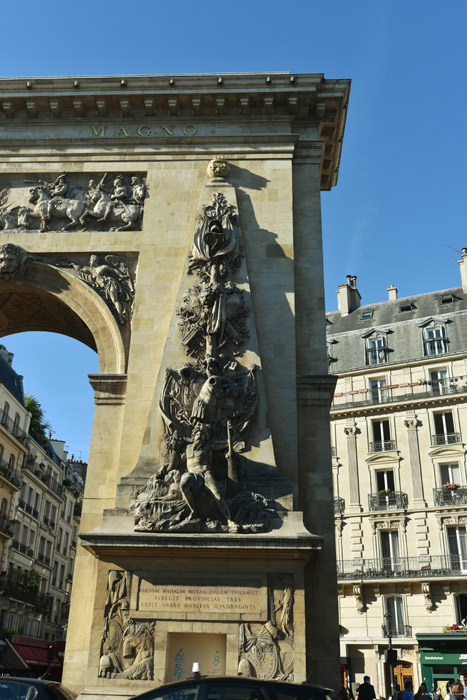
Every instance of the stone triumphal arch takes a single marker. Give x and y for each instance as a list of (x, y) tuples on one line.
[(173, 225)]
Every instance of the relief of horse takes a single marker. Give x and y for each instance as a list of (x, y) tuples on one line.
[(106, 209), (46, 207)]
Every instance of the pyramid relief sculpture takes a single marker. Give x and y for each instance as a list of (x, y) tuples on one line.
[(207, 404)]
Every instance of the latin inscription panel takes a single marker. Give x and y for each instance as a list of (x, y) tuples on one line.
[(193, 597)]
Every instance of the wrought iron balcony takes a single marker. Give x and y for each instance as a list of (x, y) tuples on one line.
[(397, 630), (14, 429), (385, 446), (445, 439), (426, 565), (44, 476), (18, 586), (396, 393), (447, 496), (6, 526), (392, 500), (339, 506), (9, 473)]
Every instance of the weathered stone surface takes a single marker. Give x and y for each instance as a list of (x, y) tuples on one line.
[(147, 307)]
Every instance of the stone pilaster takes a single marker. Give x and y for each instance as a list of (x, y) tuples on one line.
[(414, 456), (352, 460)]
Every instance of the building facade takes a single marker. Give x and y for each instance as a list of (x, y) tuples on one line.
[(399, 441), (41, 496)]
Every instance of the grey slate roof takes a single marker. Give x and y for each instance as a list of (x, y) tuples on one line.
[(12, 381), (404, 335)]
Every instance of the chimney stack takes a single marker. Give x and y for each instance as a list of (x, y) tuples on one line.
[(463, 267), (348, 296), (392, 293)]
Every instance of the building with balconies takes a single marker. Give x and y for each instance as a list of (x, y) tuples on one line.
[(399, 445), (40, 498)]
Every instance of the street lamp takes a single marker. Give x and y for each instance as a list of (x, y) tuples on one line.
[(390, 660)]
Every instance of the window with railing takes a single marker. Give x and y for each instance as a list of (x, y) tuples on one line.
[(457, 543), (444, 429), (381, 434)]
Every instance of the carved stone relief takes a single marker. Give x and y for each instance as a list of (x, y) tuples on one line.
[(207, 405), (127, 648), (108, 275), (358, 593), (109, 202), (267, 650)]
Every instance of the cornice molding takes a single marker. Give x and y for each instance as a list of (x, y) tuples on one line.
[(306, 100)]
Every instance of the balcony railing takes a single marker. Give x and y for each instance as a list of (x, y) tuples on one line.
[(6, 525), (43, 559), (445, 439), (385, 446), (402, 567), (17, 586), (450, 496), (13, 428), (9, 473), (339, 506), (398, 393), (394, 500), (44, 476), (397, 630)]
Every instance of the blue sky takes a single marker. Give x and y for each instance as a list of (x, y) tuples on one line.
[(400, 200)]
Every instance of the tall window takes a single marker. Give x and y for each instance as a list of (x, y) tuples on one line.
[(381, 436), (376, 350), (457, 542), (395, 608), (6, 410), (385, 480), (434, 339), (16, 424), (390, 550), (439, 381), (377, 389), (444, 429), (450, 473)]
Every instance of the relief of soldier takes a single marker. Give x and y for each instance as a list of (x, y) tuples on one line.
[(115, 205)]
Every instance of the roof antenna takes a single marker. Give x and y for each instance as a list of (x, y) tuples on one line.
[(450, 246)]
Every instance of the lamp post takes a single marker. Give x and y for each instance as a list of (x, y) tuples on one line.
[(388, 617)]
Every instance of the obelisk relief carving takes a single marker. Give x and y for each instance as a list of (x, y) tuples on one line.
[(207, 404)]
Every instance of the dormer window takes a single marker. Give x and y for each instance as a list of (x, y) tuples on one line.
[(376, 350), (434, 340)]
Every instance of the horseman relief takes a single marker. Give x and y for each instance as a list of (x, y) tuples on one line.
[(111, 202)]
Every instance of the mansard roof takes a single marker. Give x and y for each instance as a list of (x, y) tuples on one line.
[(433, 305), (12, 381)]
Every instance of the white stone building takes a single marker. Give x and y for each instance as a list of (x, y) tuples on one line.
[(399, 441), (40, 503)]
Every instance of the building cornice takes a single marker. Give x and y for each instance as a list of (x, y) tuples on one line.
[(305, 100)]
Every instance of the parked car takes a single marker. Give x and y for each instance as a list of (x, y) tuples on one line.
[(235, 688), (32, 689)]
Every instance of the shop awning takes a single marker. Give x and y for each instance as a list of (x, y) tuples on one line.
[(35, 655)]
